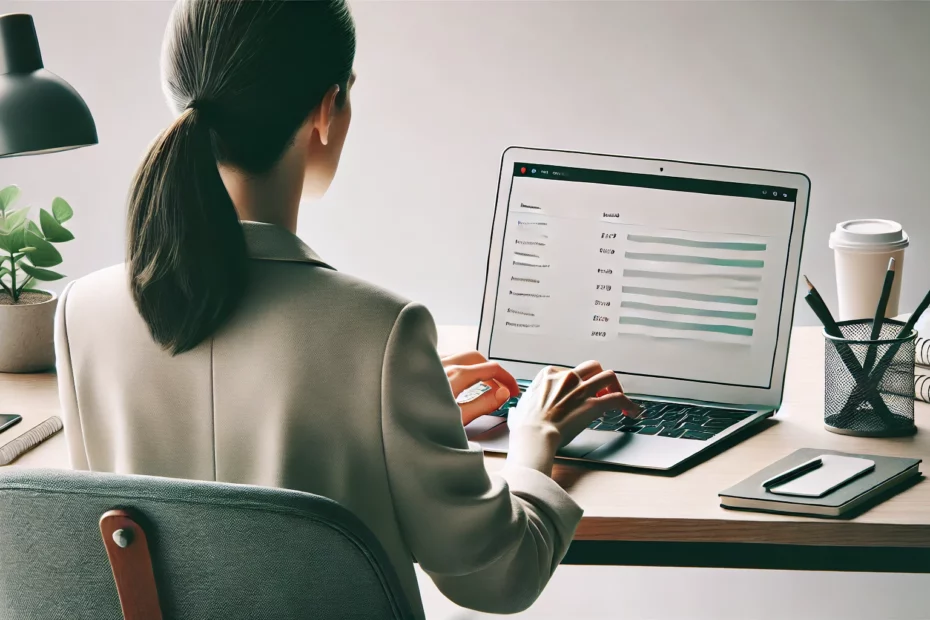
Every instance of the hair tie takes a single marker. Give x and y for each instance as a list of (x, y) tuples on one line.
[(204, 107)]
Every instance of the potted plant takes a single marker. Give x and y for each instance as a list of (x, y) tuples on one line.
[(27, 314)]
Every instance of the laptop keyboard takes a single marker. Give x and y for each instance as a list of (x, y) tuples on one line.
[(681, 421)]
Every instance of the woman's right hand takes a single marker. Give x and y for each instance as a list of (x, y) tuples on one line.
[(559, 404)]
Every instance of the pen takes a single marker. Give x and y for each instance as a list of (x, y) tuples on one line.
[(909, 324), (817, 304), (879, 316), (793, 473), (888, 357)]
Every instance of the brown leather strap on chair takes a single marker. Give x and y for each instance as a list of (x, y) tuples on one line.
[(131, 562)]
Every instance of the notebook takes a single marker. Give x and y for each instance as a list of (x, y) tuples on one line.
[(922, 366), (888, 474), (922, 383), (921, 358), (922, 351)]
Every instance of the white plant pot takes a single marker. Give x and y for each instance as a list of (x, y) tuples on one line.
[(27, 336)]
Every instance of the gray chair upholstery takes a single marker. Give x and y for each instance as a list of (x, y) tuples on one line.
[(220, 551)]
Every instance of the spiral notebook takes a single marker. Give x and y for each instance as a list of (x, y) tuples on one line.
[(922, 383), (922, 354), (921, 358)]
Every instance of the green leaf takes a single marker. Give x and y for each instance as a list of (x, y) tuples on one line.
[(54, 232), (45, 254), (45, 275), (4, 272), (12, 220), (30, 225), (8, 196), (13, 241), (62, 210), (28, 249)]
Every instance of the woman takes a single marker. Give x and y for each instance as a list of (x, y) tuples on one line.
[(225, 349)]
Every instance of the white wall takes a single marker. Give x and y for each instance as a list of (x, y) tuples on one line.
[(109, 52), (840, 91)]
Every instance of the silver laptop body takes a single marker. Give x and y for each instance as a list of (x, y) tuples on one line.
[(680, 277)]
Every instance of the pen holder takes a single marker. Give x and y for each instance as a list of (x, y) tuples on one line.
[(869, 384)]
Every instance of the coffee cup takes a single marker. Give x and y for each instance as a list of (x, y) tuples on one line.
[(861, 250)]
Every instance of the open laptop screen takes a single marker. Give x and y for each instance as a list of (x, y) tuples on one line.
[(651, 275)]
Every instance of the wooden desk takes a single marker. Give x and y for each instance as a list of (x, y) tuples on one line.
[(633, 518), (35, 397)]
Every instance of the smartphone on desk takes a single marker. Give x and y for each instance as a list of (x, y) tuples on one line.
[(9, 420)]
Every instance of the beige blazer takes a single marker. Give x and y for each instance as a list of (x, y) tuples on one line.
[(321, 383)]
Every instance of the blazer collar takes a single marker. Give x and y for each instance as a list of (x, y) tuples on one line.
[(270, 242)]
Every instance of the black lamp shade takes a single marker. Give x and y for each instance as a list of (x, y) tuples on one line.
[(39, 111)]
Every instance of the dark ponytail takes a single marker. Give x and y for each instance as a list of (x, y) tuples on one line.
[(244, 75), (186, 248)]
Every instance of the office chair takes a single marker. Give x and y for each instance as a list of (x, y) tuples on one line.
[(92, 546)]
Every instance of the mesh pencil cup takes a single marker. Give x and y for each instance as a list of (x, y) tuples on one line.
[(869, 384)]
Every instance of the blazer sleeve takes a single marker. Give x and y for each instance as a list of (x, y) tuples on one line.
[(489, 542), (67, 394)]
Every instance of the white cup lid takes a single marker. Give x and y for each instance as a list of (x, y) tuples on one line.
[(869, 236)]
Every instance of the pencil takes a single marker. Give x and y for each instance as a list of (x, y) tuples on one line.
[(912, 321), (879, 319), (820, 308), (888, 357)]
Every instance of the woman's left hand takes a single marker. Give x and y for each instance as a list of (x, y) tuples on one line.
[(466, 369)]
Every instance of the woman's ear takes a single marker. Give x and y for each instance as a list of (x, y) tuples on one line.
[(322, 116)]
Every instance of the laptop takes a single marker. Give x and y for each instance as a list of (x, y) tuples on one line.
[(680, 277)]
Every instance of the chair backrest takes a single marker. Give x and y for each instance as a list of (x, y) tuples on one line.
[(220, 551)]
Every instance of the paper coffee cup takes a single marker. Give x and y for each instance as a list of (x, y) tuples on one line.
[(861, 249)]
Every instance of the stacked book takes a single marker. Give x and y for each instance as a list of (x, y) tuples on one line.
[(921, 358), (922, 370)]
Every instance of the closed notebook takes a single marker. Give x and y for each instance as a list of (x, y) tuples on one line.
[(922, 383), (922, 351), (921, 357), (889, 473)]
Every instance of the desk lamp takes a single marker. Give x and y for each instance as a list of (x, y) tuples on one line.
[(39, 111)]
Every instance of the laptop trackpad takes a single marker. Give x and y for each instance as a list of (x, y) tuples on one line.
[(586, 442), (481, 425)]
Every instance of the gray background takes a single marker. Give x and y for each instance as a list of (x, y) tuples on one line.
[(840, 91)]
